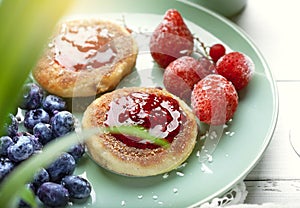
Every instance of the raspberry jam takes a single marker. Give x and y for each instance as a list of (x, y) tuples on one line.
[(90, 47), (161, 115)]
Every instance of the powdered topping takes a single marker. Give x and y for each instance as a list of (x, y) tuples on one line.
[(214, 100), (237, 68), (171, 39)]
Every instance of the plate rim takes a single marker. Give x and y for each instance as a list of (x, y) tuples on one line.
[(275, 102), (273, 88)]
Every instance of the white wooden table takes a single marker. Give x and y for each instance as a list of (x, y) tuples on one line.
[(274, 27)]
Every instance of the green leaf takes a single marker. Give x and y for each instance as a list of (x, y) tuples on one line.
[(25, 27), (25, 171), (139, 132)]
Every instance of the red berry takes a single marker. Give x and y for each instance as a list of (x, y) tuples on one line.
[(214, 100), (181, 75), (216, 52), (171, 39), (237, 68)]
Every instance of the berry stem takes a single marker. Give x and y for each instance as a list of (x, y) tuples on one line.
[(204, 48)]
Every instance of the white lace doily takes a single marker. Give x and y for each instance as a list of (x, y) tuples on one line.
[(235, 199), (236, 195)]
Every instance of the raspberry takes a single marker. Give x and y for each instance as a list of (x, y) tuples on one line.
[(181, 75), (237, 68), (216, 52), (214, 100), (171, 39)]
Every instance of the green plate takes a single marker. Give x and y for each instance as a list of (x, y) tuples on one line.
[(239, 150)]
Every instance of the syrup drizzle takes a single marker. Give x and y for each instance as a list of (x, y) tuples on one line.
[(161, 115), (90, 47)]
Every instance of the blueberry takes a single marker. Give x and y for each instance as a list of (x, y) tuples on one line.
[(21, 150), (23, 204), (43, 132), (78, 187), (62, 123), (37, 145), (64, 165), (6, 166), (35, 116), (32, 96), (53, 194), (77, 151), (53, 103), (5, 142), (11, 127), (40, 177)]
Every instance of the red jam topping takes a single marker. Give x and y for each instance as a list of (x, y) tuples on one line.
[(161, 115), (83, 47)]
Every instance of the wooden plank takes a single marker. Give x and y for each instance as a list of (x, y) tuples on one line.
[(276, 178), (280, 160), (273, 191)]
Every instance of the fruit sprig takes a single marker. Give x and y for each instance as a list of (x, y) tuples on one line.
[(210, 83), (213, 53), (202, 49)]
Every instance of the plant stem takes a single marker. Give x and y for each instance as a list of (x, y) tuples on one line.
[(13, 183), (25, 28), (23, 173)]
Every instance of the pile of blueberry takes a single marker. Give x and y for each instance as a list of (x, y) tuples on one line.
[(45, 119)]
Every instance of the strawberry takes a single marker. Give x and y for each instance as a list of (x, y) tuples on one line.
[(237, 68), (181, 75), (214, 100), (171, 39)]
